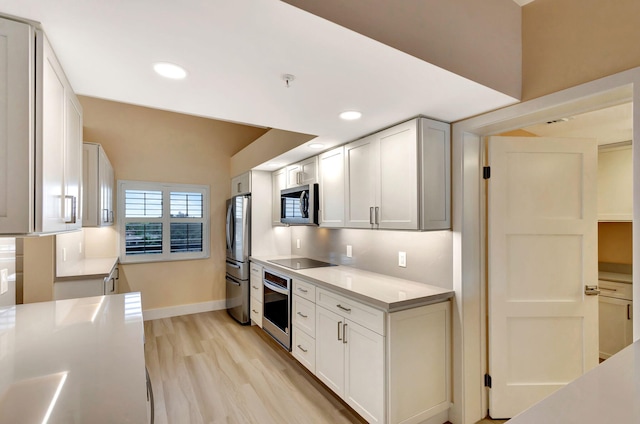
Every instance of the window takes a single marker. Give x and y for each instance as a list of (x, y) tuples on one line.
[(163, 222)]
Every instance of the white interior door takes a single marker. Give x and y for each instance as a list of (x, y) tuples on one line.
[(542, 252)]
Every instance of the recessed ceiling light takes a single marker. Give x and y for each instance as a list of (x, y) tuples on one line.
[(170, 70), (316, 145), (350, 115)]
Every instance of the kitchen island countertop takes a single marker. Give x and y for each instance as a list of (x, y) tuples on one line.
[(380, 291), (73, 361)]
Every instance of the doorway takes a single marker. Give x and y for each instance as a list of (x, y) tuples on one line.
[(469, 255), (542, 227)]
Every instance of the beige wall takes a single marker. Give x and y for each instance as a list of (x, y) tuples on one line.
[(480, 40), (615, 242), (272, 144), (152, 145), (570, 42)]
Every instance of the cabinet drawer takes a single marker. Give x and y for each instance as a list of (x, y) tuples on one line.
[(304, 315), (256, 287), (256, 311), (304, 349), (615, 289), (304, 289), (256, 270), (364, 315)]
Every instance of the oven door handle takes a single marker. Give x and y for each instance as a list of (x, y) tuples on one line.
[(275, 288)]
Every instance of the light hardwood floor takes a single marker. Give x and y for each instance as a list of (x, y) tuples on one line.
[(205, 368)]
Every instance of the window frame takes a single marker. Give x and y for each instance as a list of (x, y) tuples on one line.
[(166, 220)]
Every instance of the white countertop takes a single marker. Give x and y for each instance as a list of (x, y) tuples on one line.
[(613, 276), (380, 291), (86, 268), (606, 394), (80, 359)]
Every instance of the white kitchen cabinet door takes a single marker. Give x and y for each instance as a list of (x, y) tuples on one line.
[(615, 184), (397, 171), (278, 182), (435, 143), (330, 358), (303, 173), (17, 61), (52, 157), (360, 182), (615, 325), (241, 184), (73, 163), (98, 185), (331, 182), (106, 186), (364, 371)]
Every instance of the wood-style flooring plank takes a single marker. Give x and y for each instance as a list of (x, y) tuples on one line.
[(205, 368)]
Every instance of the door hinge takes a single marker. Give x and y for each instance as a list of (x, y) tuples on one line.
[(486, 172), (487, 380)]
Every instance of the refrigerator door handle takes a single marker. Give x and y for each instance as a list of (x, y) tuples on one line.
[(245, 228), (229, 223)]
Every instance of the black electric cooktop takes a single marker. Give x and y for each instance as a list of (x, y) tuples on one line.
[(300, 263)]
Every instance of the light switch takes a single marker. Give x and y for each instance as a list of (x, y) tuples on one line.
[(402, 259), (64, 254), (298, 243), (349, 251)]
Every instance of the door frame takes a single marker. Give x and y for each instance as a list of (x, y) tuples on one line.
[(468, 217)]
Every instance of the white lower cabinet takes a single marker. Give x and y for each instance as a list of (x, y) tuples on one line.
[(389, 367), (350, 361), (88, 287)]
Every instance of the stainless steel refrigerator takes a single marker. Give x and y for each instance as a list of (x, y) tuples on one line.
[(238, 231)]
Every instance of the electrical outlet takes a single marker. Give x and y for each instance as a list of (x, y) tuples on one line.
[(4, 281), (402, 259), (298, 243), (349, 251)]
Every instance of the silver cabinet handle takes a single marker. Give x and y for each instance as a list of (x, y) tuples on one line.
[(239, 187), (303, 290), (255, 287), (377, 215), (74, 216), (371, 218), (343, 308), (254, 311), (344, 333), (302, 349), (339, 326), (303, 315), (628, 311), (105, 215), (111, 216)]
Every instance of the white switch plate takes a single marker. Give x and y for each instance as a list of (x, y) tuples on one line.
[(79, 247), (349, 251), (4, 281), (64, 254), (402, 259), (298, 243)]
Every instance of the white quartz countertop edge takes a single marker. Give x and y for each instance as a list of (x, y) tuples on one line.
[(613, 276), (380, 291), (92, 267)]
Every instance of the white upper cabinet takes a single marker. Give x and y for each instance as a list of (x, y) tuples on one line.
[(98, 185), (435, 175), (241, 184), (331, 182), (303, 173), (615, 184), (399, 178), (41, 148)]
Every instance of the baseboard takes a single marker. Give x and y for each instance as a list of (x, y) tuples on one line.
[(191, 308)]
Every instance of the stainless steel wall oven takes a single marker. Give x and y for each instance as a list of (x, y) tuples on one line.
[(276, 318)]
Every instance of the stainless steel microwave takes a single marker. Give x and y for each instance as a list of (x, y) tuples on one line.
[(299, 205)]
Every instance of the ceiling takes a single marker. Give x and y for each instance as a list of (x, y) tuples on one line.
[(607, 126), (236, 52)]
